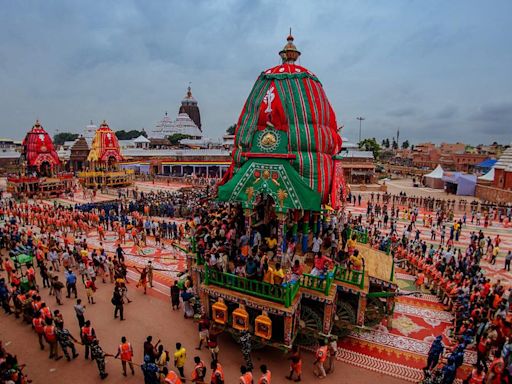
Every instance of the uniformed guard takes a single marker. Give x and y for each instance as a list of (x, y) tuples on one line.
[(217, 373), (246, 376), (65, 339), (170, 377), (50, 335), (99, 355), (246, 347), (199, 372), (320, 358), (38, 325), (266, 375), (87, 335), (125, 350)]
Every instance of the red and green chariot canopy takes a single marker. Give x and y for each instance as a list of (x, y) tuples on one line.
[(289, 102)]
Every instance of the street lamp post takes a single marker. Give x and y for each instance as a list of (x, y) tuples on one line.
[(360, 118)]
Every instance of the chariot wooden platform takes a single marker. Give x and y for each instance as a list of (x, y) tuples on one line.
[(308, 309)]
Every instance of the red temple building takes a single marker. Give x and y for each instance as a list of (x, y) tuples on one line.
[(39, 153), (39, 168)]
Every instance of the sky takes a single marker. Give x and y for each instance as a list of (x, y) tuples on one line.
[(436, 70)]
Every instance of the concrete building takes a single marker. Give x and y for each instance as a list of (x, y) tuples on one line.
[(358, 166)]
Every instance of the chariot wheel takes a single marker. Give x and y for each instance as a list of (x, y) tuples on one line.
[(375, 312), (344, 319), (310, 324)]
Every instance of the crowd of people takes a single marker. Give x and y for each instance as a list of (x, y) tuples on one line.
[(496, 211), (223, 238), (441, 262), (46, 232), (454, 273)]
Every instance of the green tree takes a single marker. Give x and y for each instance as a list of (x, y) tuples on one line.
[(370, 145), (128, 135), (61, 137), (386, 144), (405, 144), (177, 137), (394, 145), (231, 130)]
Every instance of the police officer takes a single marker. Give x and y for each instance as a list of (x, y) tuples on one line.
[(65, 340), (99, 355), (246, 347)]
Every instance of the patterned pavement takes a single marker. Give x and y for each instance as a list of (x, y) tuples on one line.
[(401, 352)]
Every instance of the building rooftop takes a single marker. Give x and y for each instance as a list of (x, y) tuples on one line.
[(140, 152), (204, 142), (141, 140), (356, 154), (505, 160), (8, 154), (182, 125)]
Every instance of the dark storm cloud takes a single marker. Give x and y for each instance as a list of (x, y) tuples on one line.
[(435, 70)]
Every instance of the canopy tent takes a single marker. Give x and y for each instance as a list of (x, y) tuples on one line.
[(460, 184), (489, 176), (485, 165), (434, 179)]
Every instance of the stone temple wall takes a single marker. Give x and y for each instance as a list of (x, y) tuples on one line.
[(495, 195)]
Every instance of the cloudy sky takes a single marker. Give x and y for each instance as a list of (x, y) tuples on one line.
[(437, 70)]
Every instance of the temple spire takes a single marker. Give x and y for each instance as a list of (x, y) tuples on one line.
[(289, 54)]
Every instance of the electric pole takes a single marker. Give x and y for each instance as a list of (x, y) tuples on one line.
[(360, 118)]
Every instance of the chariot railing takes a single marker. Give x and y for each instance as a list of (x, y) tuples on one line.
[(349, 276), (361, 236), (316, 283), (283, 294)]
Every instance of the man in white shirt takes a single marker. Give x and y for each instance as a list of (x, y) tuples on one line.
[(54, 259), (256, 241), (317, 242)]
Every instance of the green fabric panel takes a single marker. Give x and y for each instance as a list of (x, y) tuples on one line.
[(309, 132), (299, 195)]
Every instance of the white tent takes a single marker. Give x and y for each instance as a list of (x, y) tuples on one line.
[(489, 176), (434, 179), (436, 173)]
